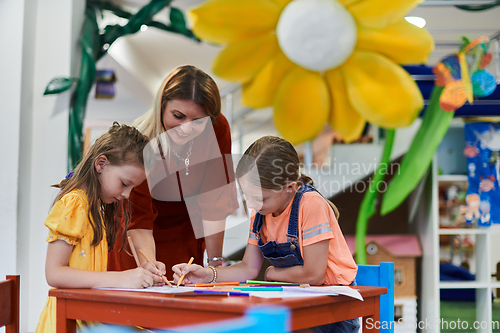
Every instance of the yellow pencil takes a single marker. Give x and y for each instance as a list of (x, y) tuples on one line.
[(182, 277), (163, 276)]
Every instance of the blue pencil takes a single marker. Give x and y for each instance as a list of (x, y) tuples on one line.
[(229, 293)]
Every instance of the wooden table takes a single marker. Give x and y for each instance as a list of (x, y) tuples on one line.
[(156, 310)]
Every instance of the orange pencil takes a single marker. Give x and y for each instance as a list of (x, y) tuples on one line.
[(182, 277), (163, 276), (133, 252)]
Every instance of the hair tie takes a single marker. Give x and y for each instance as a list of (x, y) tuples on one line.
[(68, 176)]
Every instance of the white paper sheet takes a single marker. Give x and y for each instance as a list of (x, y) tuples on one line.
[(288, 292), (162, 289)]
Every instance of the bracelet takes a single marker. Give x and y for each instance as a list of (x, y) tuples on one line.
[(214, 259), (214, 270)]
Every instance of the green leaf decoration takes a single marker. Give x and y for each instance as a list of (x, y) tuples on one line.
[(367, 208), (418, 158), (58, 85), (177, 19)]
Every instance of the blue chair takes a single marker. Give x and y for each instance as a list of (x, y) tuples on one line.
[(264, 319), (380, 276)]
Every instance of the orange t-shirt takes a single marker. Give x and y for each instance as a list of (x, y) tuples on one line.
[(317, 222)]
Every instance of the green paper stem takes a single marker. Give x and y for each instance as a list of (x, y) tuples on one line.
[(367, 208), (416, 161)]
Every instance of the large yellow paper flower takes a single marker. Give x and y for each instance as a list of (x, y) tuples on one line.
[(319, 61)]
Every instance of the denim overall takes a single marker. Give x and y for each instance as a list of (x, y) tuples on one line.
[(288, 254)]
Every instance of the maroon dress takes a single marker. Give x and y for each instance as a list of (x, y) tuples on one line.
[(176, 205)]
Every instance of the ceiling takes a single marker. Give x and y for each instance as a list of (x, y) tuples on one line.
[(142, 60)]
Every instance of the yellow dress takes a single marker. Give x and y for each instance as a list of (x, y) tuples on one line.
[(68, 220)]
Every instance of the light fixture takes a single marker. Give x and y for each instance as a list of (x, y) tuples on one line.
[(415, 20)]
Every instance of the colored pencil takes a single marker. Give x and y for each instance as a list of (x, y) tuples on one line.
[(229, 293), (151, 263), (183, 275), (215, 284), (271, 282), (211, 293), (259, 288), (132, 248)]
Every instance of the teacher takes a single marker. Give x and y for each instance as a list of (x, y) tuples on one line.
[(181, 208)]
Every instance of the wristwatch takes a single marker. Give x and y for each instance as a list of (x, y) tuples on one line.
[(214, 259)]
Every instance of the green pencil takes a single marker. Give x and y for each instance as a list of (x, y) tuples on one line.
[(258, 288), (269, 282)]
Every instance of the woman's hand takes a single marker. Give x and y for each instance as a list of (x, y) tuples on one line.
[(136, 278), (194, 273)]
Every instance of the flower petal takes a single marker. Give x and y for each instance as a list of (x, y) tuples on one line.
[(402, 41), (260, 92), (380, 13), (301, 106), (380, 90), (343, 118), (240, 61), (224, 21)]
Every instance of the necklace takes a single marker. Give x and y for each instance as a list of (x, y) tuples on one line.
[(186, 160)]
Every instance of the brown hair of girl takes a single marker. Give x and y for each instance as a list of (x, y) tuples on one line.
[(183, 83), (122, 145), (277, 164)]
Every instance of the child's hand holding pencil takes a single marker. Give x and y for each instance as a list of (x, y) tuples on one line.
[(192, 273), (157, 267)]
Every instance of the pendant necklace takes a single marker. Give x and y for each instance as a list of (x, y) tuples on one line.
[(185, 160)]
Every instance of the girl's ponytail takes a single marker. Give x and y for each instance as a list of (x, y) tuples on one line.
[(305, 180), (64, 181)]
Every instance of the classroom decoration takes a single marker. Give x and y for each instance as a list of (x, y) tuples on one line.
[(319, 61), (483, 171), (434, 126), (452, 73), (95, 43)]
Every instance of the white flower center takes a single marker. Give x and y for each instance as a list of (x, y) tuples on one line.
[(316, 34)]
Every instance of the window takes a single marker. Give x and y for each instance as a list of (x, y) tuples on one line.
[(398, 312), (398, 277)]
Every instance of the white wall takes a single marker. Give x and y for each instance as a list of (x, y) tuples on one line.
[(11, 28), (39, 40)]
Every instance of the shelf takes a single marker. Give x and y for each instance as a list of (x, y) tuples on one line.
[(466, 231), (452, 178), (463, 285)]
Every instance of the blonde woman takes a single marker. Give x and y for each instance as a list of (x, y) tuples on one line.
[(180, 210)]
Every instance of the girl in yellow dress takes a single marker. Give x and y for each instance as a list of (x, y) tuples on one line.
[(83, 220)]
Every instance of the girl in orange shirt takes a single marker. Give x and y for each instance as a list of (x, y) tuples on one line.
[(294, 228)]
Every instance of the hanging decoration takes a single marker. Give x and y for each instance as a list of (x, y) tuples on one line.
[(319, 62), (482, 139), (95, 43)]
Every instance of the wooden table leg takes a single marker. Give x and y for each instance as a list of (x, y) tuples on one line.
[(64, 325), (372, 323)]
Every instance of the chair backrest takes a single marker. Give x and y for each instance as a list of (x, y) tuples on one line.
[(9, 303), (380, 276)]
